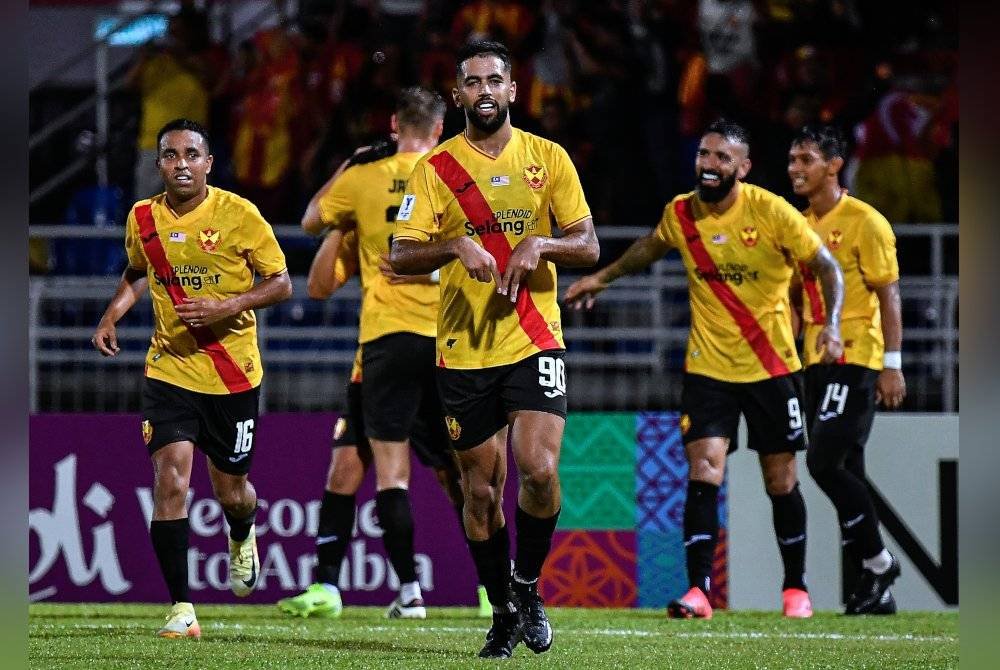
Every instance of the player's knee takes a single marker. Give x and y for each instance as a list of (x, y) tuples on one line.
[(237, 502), (541, 479), (779, 483), (480, 495), (705, 470), (170, 485)]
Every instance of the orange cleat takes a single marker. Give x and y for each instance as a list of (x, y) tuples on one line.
[(692, 605), (796, 604)]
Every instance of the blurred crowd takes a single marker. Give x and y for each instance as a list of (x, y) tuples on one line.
[(626, 86)]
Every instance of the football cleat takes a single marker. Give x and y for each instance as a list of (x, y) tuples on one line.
[(692, 605), (244, 564), (485, 608), (887, 605), (318, 600), (536, 632), (412, 610), (871, 587), (795, 604), (503, 636), (181, 622)]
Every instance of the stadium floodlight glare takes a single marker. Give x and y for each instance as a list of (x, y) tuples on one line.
[(138, 31)]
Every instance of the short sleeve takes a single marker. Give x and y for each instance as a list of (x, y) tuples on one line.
[(667, 225), (336, 206), (568, 203), (793, 231), (417, 218), (133, 243), (877, 252), (261, 246)]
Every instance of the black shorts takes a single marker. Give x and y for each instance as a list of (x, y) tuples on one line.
[(222, 426), (349, 431), (400, 398), (477, 402), (840, 405), (775, 423)]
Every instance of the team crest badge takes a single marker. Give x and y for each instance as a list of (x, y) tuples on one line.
[(534, 176), (454, 430), (834, 239), (749, 236), (685, 424), (339, 428), (208, 239), (147, 431)]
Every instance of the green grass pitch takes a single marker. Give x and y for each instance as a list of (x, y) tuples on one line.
[(251, 637)]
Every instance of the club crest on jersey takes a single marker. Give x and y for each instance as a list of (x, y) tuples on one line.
[(147, 431), (834, 239), (454, 429), (749, 236), (535, 176), (208, 239)]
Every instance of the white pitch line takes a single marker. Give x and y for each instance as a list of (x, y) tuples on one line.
[(598, 632)]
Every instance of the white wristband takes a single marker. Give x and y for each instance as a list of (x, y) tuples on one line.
[(892, 360), (436, 277)]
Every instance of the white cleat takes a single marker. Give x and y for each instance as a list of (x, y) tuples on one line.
[(181, 622), (244, 564), (412, 610)]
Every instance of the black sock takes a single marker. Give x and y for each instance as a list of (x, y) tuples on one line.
[(701, 532), (170, 542), (239, 529), (534, 539), (336, 520), (789, 512), (396, 520), (492, 559)]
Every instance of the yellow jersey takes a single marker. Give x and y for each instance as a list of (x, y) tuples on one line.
[(169, 91), (343, 268), (739, 267), (213, 251), (456, 190), (369, 195), (863, 243)]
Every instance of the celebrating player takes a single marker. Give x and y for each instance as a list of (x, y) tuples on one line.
[(481, 207), (735, 240), (197, 249), (841, 397), (335, 262), (398, 399)]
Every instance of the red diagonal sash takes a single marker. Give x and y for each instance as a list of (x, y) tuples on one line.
[(812, 290), (754, 334), (230, 372), (478, 211)]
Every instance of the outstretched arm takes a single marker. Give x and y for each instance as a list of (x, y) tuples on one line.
[(826, 268), (130, 288), (641, 254)]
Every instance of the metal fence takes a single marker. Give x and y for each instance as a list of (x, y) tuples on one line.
[(625, 354)]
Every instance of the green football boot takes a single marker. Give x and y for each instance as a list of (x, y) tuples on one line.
[(318, 600)]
